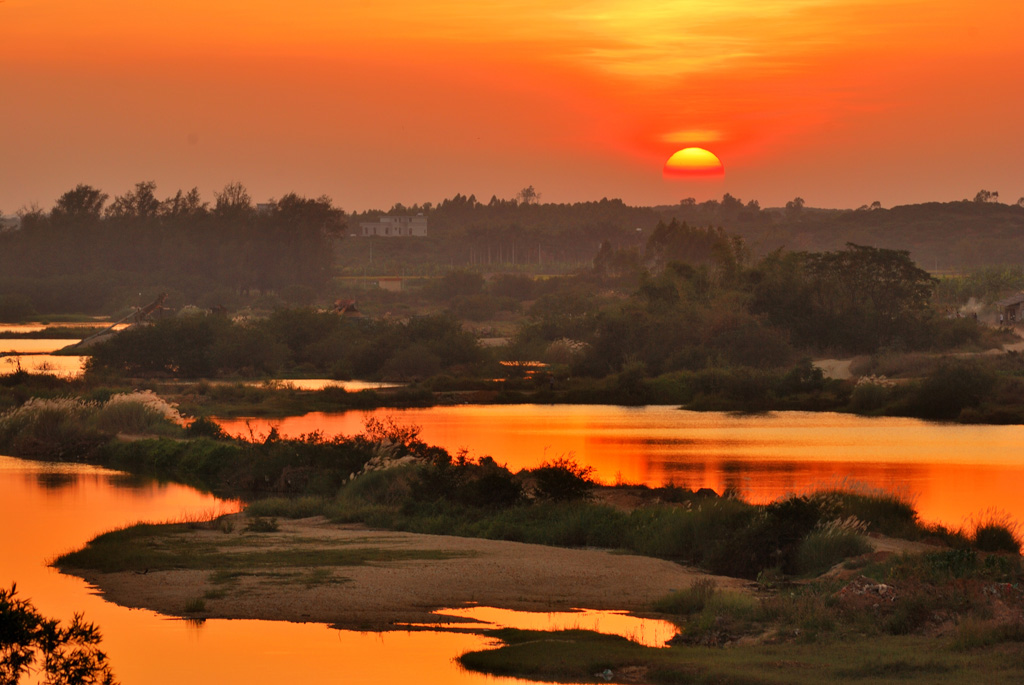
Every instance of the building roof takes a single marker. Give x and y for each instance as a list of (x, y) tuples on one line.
[(1011, 300)]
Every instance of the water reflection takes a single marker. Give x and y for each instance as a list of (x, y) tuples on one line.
[(56, 480), (32, 346), (145, 647), (951, 471), (71, 366), (645, 631)]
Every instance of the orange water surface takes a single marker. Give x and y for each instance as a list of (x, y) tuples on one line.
[(48, 509), (951, 472)]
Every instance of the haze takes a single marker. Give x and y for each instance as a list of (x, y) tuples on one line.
[(840, 102)]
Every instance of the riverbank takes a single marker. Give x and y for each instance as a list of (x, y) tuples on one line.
[(355, 578), (908, 611)]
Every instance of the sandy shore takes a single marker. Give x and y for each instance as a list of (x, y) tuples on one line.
[(380, 595)]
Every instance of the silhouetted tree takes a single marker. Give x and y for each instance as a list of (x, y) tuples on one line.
[(63, 655), (83, 204), (794, 207), (528, 196), (140, 203), (233, 201)]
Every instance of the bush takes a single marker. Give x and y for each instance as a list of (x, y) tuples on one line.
[(563, 480), (882, 512), (868, 397), (829, 544), (137, 412), (952, 387), (68, 654), (996, 533), (57, 429), (204, 427)]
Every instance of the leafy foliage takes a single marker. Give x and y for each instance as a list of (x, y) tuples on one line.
[(64, 655), (563, 480)]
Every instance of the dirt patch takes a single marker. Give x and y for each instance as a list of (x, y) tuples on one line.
[(377, 596)]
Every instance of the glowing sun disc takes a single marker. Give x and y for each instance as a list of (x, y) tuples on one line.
[(693, 162)]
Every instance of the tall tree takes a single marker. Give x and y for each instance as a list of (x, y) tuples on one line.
[(83, 204), (139, 203)]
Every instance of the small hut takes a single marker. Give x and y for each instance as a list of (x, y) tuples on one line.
[(1010, 309)]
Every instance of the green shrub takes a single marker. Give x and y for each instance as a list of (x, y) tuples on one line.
[(827, 545)]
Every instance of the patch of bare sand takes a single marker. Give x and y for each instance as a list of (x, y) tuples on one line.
[(506, 575)]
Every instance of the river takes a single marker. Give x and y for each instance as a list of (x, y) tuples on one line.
[(48, 509), (951, 472)]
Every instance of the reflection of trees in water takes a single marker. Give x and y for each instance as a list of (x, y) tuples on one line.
[(128, 481), (61, 480), (55, 480), (761, 481)]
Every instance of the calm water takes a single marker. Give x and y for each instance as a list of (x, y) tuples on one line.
[(60, 507), (952, 472)]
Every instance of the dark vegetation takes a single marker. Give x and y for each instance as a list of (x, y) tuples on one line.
[(294, 341), (354, 479), (31, 644), (673, 312), (947, 615), (710, 318), (151, 547), (87, 256), (944, 236)]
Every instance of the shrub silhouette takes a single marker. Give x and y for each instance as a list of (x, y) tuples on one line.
[(563, 480)]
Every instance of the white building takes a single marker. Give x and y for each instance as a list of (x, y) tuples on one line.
[(9, 223), (395, 226)]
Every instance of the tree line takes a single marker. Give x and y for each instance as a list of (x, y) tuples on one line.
[(90, 255)]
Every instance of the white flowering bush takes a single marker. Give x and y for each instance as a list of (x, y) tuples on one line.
[(50, 428), (136, 412), (69, 427)]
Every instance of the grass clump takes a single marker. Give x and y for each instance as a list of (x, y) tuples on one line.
[(828, 544), (692, 600), (195, 606), (996, 532), (138, 413)]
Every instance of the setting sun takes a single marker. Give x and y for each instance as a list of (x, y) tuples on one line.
[(693, 162)]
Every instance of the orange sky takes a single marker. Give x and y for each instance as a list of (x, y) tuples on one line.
[(841, 102)]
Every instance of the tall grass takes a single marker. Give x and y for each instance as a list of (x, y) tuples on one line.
[(70, 428), (829, 544), (995, 531), (58, 429)]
